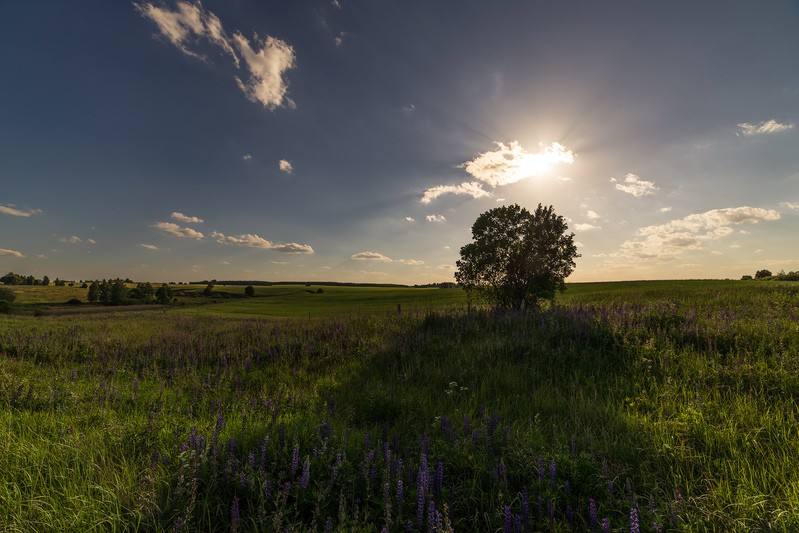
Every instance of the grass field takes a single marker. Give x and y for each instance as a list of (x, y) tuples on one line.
[(651, 406)]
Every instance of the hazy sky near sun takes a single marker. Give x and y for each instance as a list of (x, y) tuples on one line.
[(358, 140)]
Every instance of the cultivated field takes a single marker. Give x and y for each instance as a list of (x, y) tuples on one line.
[(651, 406)]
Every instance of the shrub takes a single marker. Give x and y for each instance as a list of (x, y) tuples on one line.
[(7, 295)]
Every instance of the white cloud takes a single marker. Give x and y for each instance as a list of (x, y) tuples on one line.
[(510, 163), (593, 215), (70, 240), (410, 108), (247, 157), (336, 4), (149, 246), (586, 227), (790, 205), (266, 61), (664, 210), (371, 256), (285, 166), (410, 219), (14, 212), (339, 39), (178, 231), (6, 251), (255, 241), (764, 128), (377, 256), (449, 268), (468, 188), (91, 241), (186, 218), (669, 240), (435, 218), (635, 185), (507, 164)]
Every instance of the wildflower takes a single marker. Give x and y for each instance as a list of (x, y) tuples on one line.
[(552, 471), (525, 506), (306, 473), (606, 525), (234, 515), (295, 460), (507, 519), (634, 526), (592, 514)]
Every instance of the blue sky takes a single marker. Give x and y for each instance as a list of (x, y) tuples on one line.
[(358, 140)]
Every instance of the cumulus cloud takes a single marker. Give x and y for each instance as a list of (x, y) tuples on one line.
[(634, 185), (435, 218), (255, 241), (178, 231), (186, 219), (14, 212), (410, 219), (506, 164), (764, 128), (149, 246), (74, 239), (371, 256), (377, 256), (266, 61), (13, 253), (247, 157), (593, 215), (468, 188), (691, 232), (586, 227), (285, 166)]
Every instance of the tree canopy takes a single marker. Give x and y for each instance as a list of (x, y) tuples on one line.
[(518, 259)]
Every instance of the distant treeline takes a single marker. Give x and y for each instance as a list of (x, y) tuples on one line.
[(768, 276), (444, 285), (19, 279)]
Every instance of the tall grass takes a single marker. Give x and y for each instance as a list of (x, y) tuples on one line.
[(652, 406)]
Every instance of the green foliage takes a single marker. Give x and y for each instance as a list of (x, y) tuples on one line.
[(249, 290), (518, 259), (7, 295), (94, 292), (760, 274), (164, 294), (209, 290)]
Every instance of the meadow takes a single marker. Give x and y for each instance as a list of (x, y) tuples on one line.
[(645, 406)]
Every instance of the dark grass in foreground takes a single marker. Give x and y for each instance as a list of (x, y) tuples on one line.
[(651, 406)]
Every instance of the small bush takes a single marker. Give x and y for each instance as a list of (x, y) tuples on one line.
[(74, 301), (7, 295)]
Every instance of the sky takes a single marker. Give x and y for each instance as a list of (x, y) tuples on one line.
[(358, 140)]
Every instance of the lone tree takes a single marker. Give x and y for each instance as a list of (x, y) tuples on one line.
[(518, 259)]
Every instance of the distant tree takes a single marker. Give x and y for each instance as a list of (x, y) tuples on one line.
[(83, 285), (59, 282), (518, 259), (7, 295), (104, 292), (12, 279), (249, 290), (209, 290), (746, 277), (163, 295), (117, 292), (45, 281), (94, 292), (760, 274), (30, 280)]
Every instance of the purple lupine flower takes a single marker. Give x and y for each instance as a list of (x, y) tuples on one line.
[(525, 507), (306, 473), (606, 525), (467, 425), (234, 515), (551, 508), (329, 525), (177, 525), (552, 471), (220, 423), (634, 526), (438, 481), (400, 493), (295, 459), (593, 521), (540, 468), (507, 519), (422, 483)]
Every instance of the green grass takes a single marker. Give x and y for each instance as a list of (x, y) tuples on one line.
[(676, 399)]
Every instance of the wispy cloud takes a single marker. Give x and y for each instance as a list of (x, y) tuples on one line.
[(148, 246), (586, 227), (14, 212), (468, 188), (763, 128), (634, 185), (377, 256), (410, 219), (247, 157), (669, 240), (13, 253), (186, 219), (664, 209), (790, 205), (285, 166), (74, 239), (506, 164), (266, 61), (252, 240), (178, 231), (593, 215), (435, 218)]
